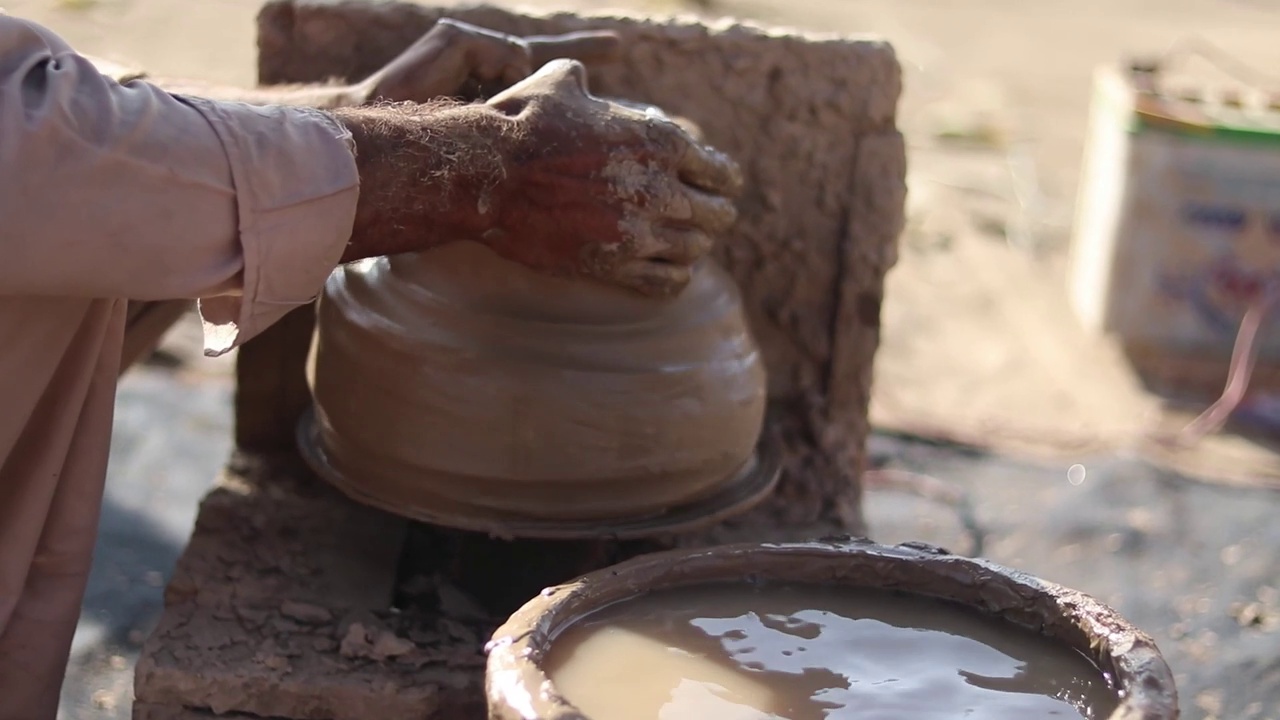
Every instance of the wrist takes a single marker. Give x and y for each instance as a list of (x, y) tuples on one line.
[(429, 174)]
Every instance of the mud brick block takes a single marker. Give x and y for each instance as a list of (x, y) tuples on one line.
[(281, 608), (284, 606), (811, 120), (271, 532), (150, 711)]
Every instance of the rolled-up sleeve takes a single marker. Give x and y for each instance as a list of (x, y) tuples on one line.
[(126, 191)]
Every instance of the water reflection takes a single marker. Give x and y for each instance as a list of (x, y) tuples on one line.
[(810, 653)]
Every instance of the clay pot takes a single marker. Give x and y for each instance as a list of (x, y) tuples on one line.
[(518, 688), (456, 379)]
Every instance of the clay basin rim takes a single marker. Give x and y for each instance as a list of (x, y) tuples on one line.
[(517, 688)]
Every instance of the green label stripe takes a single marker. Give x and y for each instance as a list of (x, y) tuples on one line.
[(1143, 122)]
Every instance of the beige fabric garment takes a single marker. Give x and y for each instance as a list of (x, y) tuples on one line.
[(108, 193)]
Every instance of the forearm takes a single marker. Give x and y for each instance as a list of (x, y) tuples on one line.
[(426, 175)]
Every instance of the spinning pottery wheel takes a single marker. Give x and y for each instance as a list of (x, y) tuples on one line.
[(464, 390)]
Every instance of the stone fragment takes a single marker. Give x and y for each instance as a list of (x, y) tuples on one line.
[(306, 613)]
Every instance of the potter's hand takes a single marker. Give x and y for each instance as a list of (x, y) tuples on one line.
[(545, 175), (596, 189), (455, 59)]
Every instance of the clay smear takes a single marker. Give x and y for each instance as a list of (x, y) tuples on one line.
[(808, 653)]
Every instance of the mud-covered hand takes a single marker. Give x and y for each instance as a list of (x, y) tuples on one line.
[(596, 189), (459, 60), (546, 175)]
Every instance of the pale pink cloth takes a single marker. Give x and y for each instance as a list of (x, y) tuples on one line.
[(108, 193)]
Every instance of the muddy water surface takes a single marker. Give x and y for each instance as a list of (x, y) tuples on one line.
[(738, 652)]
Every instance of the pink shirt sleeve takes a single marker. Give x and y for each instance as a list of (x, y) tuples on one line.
[(126, 191)]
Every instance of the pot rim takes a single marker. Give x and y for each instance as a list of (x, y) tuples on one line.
[(517, 688)]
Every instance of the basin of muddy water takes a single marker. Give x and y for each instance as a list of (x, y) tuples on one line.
[(815, 630)]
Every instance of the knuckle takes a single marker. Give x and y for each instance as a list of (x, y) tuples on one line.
[(667, 137)]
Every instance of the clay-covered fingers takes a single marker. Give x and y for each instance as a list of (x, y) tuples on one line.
[(596, 46), (674, 245), (703, 210), (710, 170), (653, 277), (675, 203), (698, 165)]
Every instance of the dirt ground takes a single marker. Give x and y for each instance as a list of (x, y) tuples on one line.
[(976, 328)]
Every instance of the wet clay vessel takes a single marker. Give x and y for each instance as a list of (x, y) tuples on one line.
[(518, 688), (453, 383)]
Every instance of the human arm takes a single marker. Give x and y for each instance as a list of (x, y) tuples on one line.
[(680, 186), (452, 59), (131, 192), (111, 191), (547, 175)]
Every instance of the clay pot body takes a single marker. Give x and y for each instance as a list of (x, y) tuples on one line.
[(518, 687), (454, 376)]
